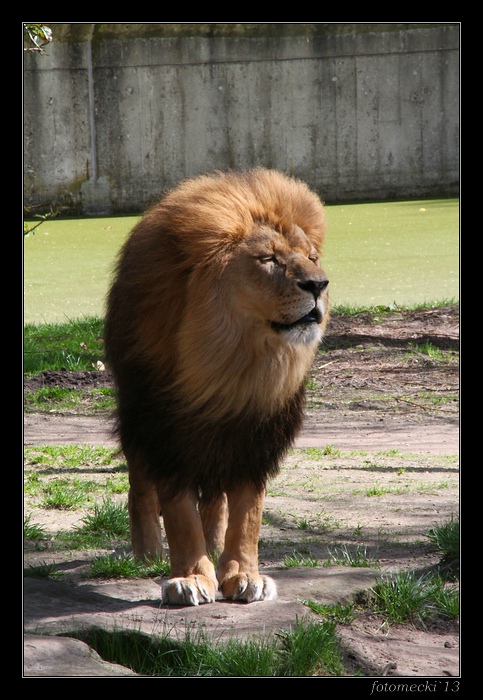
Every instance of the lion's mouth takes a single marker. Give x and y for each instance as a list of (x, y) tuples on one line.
[(314, 316)]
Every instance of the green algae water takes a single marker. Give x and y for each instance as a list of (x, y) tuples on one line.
[(68, 266), (401, 253)]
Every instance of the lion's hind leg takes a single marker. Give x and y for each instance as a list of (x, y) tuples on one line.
[(144, 514), (237, 571), (192, 580), (214, 516)]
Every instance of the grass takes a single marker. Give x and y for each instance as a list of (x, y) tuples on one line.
[(62, 400), (338, 613), (319, 522), (309, 649), (92, 481), (89, 479), (70, 477), (428, 349), (48, 458), (78, 345), (343, 556), (74, 345), (33, 531), (340, 556), (406, 597), (401, 489), (377, 312), (298, 559), (398, 598), (125, 566), (65, 495), (44, 572), (107, 519), (105, 526), (446, 538)]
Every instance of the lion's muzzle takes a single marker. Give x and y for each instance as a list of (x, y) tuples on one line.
[(314, 316)]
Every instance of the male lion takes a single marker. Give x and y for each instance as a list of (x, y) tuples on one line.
[(213, 321)]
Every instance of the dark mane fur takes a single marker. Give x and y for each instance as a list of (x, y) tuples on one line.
[(182, 451)]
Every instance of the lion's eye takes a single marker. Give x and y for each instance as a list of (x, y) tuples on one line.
[(269, 259), (314, 257)]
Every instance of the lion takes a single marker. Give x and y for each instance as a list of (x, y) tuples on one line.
[(216, 311)]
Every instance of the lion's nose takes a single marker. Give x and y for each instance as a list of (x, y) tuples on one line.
[(315, 287)]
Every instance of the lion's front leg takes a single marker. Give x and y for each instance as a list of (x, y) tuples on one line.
[(237, 571), (192, 580)]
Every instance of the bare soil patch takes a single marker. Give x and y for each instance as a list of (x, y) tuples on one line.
[(375, 468)]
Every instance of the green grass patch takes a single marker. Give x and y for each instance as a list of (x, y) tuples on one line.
[(125, 566), (66, 495), (446, 538), (78, 346), (319, 522), (68, 347), (309, 649), (318, 452), (107, 519), (77, 478), (74, 345), (339, 556), (72, 476), (60, 400), (297, 559), (33, 531), (399, 599), (429, 349), (338, 613), (45, 459), (343, 556), (420, 487), (378, 312), (44, 572), (406, 597), (106, 525)]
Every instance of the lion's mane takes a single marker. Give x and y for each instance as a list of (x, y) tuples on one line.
[(203, 403)]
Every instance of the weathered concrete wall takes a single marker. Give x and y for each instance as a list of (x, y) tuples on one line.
[(115, 114)]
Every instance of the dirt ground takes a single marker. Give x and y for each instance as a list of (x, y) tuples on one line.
[(384, 396)]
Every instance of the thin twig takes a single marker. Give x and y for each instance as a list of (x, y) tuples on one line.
[(418, 405), (389, 667)]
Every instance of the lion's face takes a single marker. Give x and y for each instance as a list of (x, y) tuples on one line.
[(251, 329), (276, 282)]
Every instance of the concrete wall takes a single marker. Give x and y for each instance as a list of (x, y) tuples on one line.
[(117, 113)]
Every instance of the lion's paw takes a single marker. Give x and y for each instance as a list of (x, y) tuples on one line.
[(249, 588), (192, 590)]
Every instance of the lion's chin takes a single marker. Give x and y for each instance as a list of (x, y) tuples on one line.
[(305, 334), (305, 330)]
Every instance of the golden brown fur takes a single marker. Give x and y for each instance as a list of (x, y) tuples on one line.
[(213, 320)]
